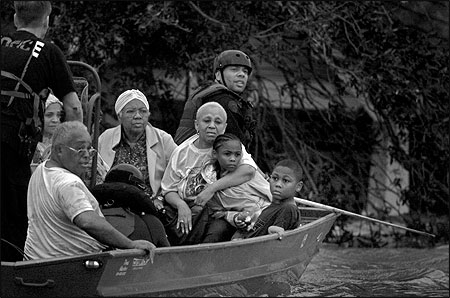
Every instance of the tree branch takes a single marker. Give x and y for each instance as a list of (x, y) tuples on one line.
[(261, 34), (196, 8)]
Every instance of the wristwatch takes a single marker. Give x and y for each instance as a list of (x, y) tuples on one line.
[(160, 198), (159, 206)]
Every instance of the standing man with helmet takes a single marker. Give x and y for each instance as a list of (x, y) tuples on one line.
[(31, 67), (231, 71)]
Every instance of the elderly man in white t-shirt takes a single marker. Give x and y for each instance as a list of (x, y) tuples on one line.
[(64, 218)]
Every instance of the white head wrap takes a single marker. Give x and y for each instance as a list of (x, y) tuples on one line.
[(128, 96), (52, 99)]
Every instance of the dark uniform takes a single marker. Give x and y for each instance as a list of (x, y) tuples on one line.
[(47, 68), (240, 121)]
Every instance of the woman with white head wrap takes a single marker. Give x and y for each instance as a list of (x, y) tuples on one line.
[(128, 96), (135, 141)]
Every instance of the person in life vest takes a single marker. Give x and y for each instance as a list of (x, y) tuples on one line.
[(31, 67), (231, 71)]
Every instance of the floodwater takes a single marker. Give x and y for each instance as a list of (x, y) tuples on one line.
[(373, 272)]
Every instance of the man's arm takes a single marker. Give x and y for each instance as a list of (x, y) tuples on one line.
[(241, 175), (100, 229), (72, 107)]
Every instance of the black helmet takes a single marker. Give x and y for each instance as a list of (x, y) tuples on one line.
[(232, 57), (126, 173)]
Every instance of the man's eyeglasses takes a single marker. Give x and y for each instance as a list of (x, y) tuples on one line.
[(81, 152)]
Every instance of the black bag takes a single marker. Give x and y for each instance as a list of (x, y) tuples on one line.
[(121, 194)]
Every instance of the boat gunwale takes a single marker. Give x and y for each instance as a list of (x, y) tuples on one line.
[(174, 249)]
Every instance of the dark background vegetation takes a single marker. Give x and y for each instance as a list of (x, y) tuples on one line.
[(391, 56)]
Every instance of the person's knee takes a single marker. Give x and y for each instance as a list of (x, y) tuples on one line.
[(156, 230), (219, 230)]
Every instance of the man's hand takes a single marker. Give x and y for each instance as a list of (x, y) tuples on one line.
[(145, 245)]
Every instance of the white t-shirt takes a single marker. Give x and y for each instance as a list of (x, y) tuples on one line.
[(186, 163), (253, 196), (55, 197)]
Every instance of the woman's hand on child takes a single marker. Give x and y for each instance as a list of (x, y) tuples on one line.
[(204, 196)]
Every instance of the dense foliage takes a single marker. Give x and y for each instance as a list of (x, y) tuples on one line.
[(397, 73)]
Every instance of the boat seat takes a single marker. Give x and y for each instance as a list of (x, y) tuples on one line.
[(86, 80), (82, 89)]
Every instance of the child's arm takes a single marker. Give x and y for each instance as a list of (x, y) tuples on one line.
[(276, 230), (241, 175), (232, 218)]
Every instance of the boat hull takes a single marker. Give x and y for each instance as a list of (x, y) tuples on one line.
[(236, 268)]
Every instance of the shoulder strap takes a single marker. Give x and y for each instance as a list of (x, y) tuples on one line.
[(205, 92), (19, 81), (16, 94)]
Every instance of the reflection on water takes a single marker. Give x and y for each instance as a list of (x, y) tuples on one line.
[(372, 272)]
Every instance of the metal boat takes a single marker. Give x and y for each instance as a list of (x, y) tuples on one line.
[(246, 267)]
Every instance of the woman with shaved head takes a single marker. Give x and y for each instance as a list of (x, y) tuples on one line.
[(185, 185)]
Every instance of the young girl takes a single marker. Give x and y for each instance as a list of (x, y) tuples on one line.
[(53, 116), (239, 205)]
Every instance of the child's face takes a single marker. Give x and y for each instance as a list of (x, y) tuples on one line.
[(283, 183), (229, 155)]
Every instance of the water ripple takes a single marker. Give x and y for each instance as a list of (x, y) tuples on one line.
[(356, 272)]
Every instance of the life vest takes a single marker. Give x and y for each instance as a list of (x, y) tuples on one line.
[(196, 101), (186, 127)]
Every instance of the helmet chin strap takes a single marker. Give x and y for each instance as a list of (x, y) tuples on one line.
[(223, 80)]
